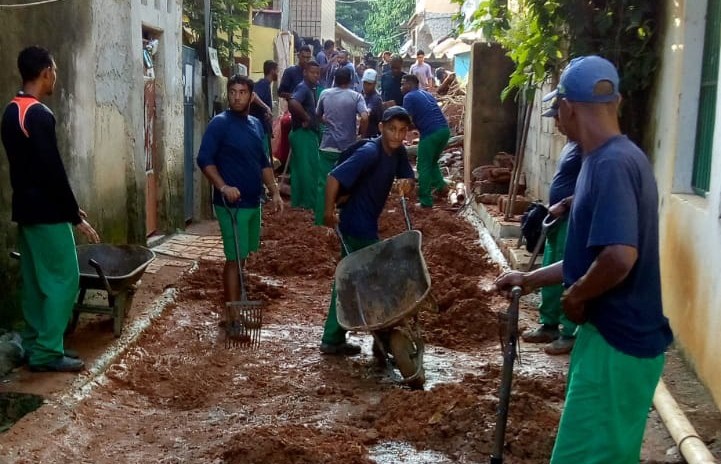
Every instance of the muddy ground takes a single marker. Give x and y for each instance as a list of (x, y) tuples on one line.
[(175, 394)]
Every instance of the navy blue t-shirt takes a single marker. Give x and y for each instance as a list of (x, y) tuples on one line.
[(233, 144), (368, 174), (308, 98), (616, 203), (391, 87), (292, 76), (423, 108), (262, 88), (564, 180), (374, 104)]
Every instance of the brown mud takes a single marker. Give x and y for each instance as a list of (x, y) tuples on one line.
[(177, 395)]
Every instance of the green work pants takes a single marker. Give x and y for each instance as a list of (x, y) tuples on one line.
[(550, 308), (50, 279), (303, 168), (430, 178), (333, 333), (247, 221), (326, 162), (608, 397)]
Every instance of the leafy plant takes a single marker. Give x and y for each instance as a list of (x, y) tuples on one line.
[(230, 21), (542, 36), (353, 15), (384, 19)]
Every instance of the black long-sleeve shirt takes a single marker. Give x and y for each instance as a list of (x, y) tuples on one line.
[(41, 190)]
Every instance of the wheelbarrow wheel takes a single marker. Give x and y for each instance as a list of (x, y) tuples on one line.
[(405, 354)]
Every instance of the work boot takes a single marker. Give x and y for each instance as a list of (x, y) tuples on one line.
[(561, 345), (340, 349), (60, 364), (541, 334)]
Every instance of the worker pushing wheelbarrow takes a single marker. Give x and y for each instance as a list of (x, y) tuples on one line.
[(379, 286)]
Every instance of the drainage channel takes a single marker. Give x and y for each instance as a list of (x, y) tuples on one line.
[(13, 406)]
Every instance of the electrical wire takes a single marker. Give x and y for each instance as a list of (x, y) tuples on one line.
[(23, 5)]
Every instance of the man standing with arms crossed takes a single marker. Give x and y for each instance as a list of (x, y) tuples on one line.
[(433, 127), (338, 109), (304, 139), (231, 156), (365, 179), (44, 207), (611, 273)]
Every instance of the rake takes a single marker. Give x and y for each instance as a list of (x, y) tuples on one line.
[(244, 318)]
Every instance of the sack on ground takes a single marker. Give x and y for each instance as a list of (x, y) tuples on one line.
[(532, 223)]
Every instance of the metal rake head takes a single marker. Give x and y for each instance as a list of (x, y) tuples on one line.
[(243, 323)]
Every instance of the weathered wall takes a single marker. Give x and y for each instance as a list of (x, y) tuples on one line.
[(690, 224), (490, 124), (98, 103), (260, 39), (543, 146)]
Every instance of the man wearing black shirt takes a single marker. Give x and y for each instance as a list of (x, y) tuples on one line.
[(44, 206)]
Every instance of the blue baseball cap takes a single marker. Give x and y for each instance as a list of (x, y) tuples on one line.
[(580, 77)]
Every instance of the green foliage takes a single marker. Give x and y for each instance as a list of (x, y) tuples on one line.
[(544, 35), (230, 23), (382, 28), (353, 16)]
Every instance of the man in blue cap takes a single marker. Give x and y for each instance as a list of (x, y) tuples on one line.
[(611, 273), (559, 340), (360, 185)]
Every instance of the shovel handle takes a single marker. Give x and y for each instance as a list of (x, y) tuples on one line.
[(407, 215), (342, 241)]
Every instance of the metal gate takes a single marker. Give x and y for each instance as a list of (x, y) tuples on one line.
[(151, 186), (189, 59)]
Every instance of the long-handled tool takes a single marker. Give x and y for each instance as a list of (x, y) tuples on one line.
[(508, 347), (548, 222), (244, 318)]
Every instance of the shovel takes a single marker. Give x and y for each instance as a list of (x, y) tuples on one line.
[(508, 347), (243, 318)]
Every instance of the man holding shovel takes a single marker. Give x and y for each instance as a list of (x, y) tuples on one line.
[(233, 159), (611, 273), (360, 185), (558, 340), (44, 206)]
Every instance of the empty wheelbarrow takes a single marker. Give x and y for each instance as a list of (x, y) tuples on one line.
[(115, 269)]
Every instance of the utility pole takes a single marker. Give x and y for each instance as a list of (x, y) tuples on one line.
[(285, 15), (208, 70)]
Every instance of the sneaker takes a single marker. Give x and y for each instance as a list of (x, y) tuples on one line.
[(541, 334), (61, 364), (340, 349), (68, 352), (562, 345)]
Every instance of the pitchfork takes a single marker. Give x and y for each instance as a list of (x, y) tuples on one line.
[(243, 318)]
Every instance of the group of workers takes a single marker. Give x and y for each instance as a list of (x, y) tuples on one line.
[(608, 278), (347, 147)]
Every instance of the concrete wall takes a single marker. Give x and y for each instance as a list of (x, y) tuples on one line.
[(260, 39), (436, 6), (46, 25), (98, 103), (690, 224), (543, 146), (490, 125)]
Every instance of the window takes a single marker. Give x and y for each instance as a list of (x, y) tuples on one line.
[(701, 179)]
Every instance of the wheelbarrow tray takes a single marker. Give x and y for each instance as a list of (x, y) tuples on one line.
[(123, 265), (382, 284), (119, 268)]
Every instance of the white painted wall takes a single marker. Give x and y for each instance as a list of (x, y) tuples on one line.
[(690, 225), (543, 146)]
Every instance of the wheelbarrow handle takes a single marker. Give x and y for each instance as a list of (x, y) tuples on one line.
[(342, 240), (101, 274), (406, 214)]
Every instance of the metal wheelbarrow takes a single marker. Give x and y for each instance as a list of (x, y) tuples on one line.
[(380, 289), (115, 269)]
